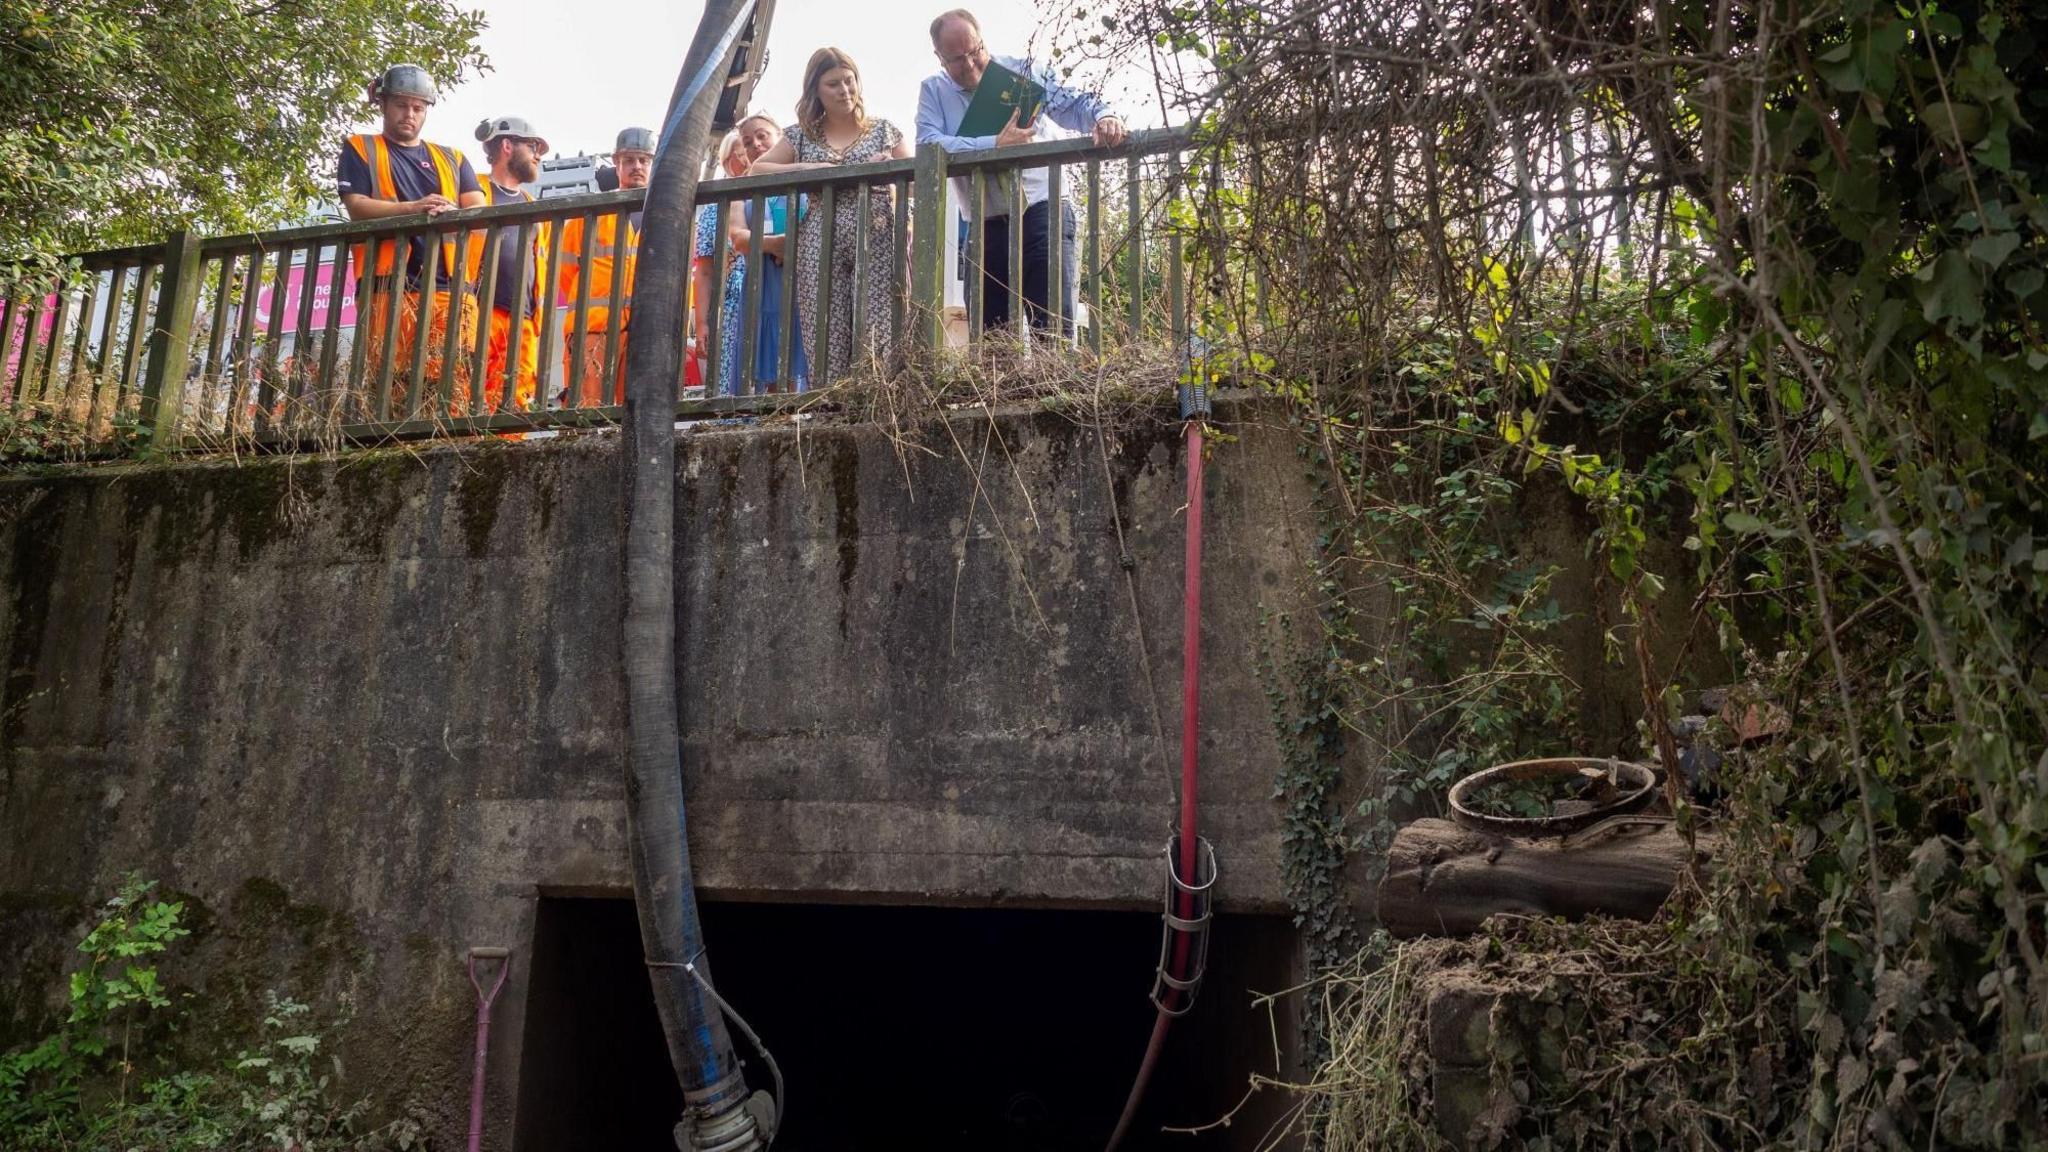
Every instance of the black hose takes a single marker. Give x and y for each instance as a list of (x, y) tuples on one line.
[(657, 840), (774, 1069)]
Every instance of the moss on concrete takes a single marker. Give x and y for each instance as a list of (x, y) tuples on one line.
[(267, 924), (369, 490), (846, 516), (479, 491)]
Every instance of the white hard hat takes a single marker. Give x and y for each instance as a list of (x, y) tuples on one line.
[(517, 126)]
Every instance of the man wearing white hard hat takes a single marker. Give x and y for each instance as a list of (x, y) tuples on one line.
[(514, 150)]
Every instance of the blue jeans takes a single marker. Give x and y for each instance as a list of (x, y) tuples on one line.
[(995, 280)]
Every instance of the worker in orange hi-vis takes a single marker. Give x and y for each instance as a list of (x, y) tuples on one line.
[(514, 150), (395, 173), (614, 251)]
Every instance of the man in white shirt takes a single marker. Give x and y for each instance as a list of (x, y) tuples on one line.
[(942, 103)]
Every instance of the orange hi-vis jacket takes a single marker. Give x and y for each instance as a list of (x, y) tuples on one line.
[(377, 154), (540, 244), (604, 259)]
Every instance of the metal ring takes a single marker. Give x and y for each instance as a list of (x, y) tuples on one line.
[(1637, 782)]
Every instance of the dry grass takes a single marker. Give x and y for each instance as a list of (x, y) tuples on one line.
[(1636, 1019)]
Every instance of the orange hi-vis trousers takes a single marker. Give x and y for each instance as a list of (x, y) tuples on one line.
[(590, 393), (371, 309), (529, 361)]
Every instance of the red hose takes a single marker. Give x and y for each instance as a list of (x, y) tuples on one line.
[(1190, 674), (1190, 731)]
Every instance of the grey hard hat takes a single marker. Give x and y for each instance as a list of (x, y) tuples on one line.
[(404, 80), (635, 140), (517, 126)]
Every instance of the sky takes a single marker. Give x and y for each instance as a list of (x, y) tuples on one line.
[(581, 72)]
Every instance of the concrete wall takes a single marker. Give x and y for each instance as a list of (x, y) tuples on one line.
[(363, 710)]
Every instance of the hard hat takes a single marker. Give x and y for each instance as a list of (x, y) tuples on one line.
[(517, 126), (635, 140), (404, 80)]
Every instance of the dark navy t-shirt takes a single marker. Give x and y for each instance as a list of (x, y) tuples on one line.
[(413, 174), (508, 289)]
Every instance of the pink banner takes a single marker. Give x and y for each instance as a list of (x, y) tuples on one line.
[(294, 286)]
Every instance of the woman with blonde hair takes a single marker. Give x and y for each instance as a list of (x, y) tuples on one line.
[(747, 142), (833, 128)]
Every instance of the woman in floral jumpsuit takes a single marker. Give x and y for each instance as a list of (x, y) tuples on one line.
[(833, 128)]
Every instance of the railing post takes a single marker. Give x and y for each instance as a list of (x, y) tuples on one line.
[(927, 319), (170, 341)]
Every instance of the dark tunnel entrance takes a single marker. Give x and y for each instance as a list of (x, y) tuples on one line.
[(924, 1029)]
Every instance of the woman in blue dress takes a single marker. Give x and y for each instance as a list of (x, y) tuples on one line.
[(753, 137)]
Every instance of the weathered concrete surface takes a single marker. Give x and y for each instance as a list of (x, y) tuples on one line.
[(364, 710)]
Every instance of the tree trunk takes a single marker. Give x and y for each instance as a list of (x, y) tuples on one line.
[(1444, 879), (663, 889)]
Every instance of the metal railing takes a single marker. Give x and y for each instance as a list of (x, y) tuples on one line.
[(275, 338)]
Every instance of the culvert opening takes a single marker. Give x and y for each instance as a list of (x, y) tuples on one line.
[(926, 1029)]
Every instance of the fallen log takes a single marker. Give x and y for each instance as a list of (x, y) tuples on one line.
[(1444, 879)]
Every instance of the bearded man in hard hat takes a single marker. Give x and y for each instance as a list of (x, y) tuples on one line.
[(395, 173), (514, 150), (614, 252)]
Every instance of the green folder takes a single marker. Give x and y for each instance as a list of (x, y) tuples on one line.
[(1000, 93)]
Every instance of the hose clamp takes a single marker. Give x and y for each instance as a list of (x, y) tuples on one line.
[(1186, 919)]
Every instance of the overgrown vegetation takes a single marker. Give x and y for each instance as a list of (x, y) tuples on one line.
[(32, 436), (121, 121), (95, 1082), (40, 437), (1765, 277)]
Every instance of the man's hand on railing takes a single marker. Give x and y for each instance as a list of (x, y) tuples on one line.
[(360, 207), (1110, 131)]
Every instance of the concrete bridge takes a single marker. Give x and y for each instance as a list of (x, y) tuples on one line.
[(365, 711)]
